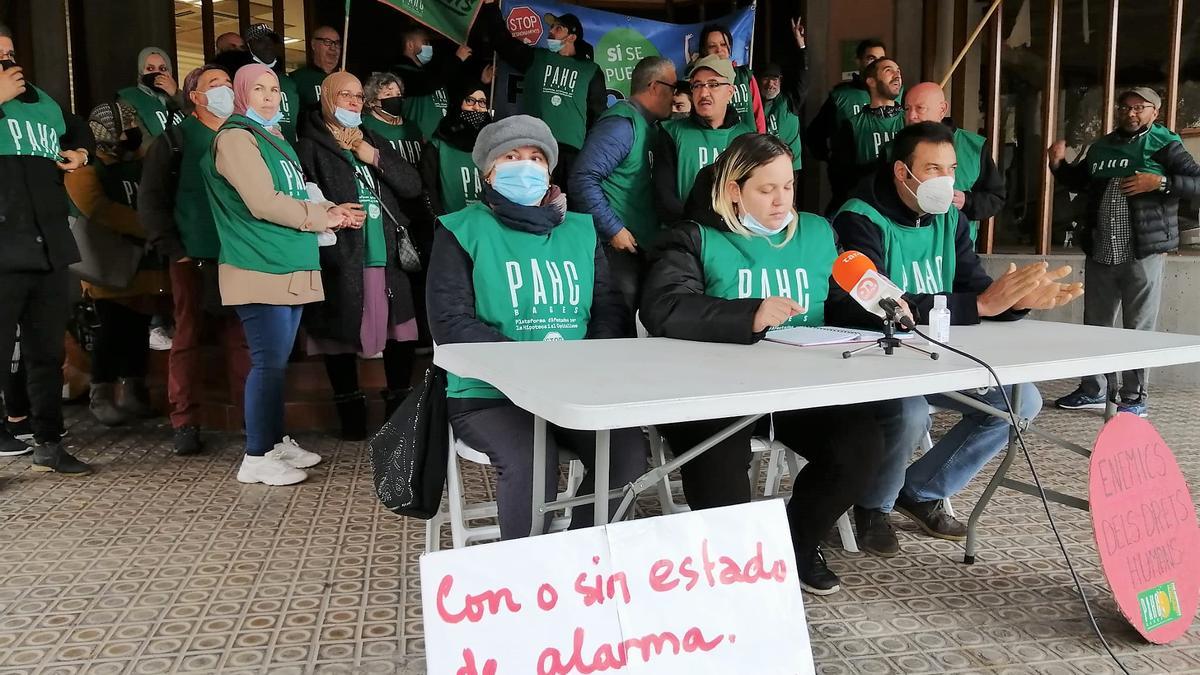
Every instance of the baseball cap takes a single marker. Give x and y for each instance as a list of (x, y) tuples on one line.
[(1145, 93), (720, 66), (568, 21), (261, 30)]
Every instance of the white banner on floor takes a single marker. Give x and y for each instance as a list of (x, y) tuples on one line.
[(712, 591)]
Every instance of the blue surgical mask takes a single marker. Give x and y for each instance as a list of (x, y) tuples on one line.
[(523, 182), (253, 114), (554, 45), (425, 55), (220, 101), (347, 118), (751, 223)]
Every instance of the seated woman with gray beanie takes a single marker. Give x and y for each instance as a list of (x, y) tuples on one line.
[(522, 219)]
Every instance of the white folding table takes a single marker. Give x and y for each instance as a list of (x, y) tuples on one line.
[(600, 385)]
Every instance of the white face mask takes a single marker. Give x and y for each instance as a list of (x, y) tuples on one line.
[(935, 195), (751, 223)]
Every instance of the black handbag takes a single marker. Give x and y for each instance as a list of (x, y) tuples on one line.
[(409, 454)]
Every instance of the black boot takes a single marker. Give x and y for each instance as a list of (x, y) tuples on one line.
[(187, 440), (392, 398), (352, 411), (52, 457), (135, 397), (104, 407), (875, 532)]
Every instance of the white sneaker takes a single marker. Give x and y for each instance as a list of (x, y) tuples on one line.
[(159, 340), (269, 471), (289, 452)]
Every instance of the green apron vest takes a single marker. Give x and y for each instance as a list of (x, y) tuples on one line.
[(968, 150), (743, 98), (756, 267), (529, 287), (405, 138), (250, 243), (308, 85), (556, 89), (698, 146), (424, 111), (193, 215), (784, 124), (849, 100), (153, 113), (374, 244), (629, 189), (289, 105), (871, 134), (1112, 157), (919, 260), (119, 181), (459, 178), (32, 129)]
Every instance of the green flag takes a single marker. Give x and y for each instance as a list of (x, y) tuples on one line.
[(452, 18)]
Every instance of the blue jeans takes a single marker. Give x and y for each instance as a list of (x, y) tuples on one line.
[(270, 333), (955, 459)]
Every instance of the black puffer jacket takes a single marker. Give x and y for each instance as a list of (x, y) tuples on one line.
[(1154, 216), (324, 162), (674, 303)]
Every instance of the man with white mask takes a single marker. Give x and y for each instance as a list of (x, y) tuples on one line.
[(174, 209), (905, 221)]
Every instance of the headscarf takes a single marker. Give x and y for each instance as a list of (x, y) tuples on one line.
[(337, 81), (108, 121), (141, 61), (243, 83)]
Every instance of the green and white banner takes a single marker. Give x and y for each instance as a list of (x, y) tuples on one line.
[(452, 18)]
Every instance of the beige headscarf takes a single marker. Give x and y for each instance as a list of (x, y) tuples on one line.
[(339, 81)]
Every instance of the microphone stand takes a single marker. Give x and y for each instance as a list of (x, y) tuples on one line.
[(889, 341)]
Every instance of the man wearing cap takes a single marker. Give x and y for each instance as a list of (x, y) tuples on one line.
[(978, 185), (690, 144), (325, 45), (612, 180), (1134, 179), (562, 86), (266, 47), (859, 143)]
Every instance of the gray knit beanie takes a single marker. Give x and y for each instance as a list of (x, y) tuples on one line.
[(517, 131)]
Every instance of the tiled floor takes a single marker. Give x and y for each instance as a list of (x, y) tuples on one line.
[(160, 564)]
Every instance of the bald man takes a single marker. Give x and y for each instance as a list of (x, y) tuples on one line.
[(979, 190), (230, 42)]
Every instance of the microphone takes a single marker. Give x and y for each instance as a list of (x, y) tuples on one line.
[(857, 275)]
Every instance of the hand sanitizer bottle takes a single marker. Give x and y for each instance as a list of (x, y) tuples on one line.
[(939, 320)]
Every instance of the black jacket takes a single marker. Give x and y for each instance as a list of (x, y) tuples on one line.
[(324, 162), (674, 303), (1153, 216), (857, 233), (33, 206), (987, 196), (455, 132), (818, 138)]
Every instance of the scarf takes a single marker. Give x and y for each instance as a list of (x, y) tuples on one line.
[(337, 81), (538, 219)]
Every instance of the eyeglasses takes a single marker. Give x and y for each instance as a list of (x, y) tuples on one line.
[(336, 44), (665, 84), (478, 102), (9, 55), (351, 95), (1135, 108), (711, 85)]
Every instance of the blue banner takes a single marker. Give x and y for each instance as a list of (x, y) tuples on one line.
[(618, 41)]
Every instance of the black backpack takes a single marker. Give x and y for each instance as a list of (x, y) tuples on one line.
[(410, 452)]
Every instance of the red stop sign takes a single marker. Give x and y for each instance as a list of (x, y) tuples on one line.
[(525, 24)]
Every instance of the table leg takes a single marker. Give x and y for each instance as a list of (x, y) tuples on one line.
[(538, 512), (602, 486), (1009, 455)]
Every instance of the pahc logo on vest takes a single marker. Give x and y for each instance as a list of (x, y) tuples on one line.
[(559, 82), (926, 276), (880, 138), (295, 179), (775, 282), (472, 184), (409, 150), (34, 138), (130, 188), (555, 294), (741, 94), (707, 156), (1106, 164)]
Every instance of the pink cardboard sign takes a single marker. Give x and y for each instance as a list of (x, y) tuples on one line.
[(1146, 528)]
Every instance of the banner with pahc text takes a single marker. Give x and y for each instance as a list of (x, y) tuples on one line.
[(452, 18), (710, 592), (618, 40)]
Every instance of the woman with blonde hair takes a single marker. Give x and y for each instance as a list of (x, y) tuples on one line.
[(741, 265)]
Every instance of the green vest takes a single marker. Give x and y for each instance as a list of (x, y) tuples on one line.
[(32, 129), (556, 89), (968, 150), (153, 113), (289, 105), (308, 85), (784, 124), (1112, 157), (193, 215), (405, 138), (250, 243), (629, 189), (738, 267), (458, 177), (529, 287), (697, 146), (919, 259), (119, 181), (850, 100), (871, 134), (374, 243), (743, 98), (424, 111)]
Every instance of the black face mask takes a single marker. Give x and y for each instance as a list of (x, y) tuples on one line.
[(132, 140), (29, 96), (392, 106), (148, 80), (474, 118)]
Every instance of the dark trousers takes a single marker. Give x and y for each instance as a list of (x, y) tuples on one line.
[(843, 446), (397, 368), (505, 434), (16, 392), (38, 302), (122, 343), (566, 159), (270, 332), (186, 378), (628, 271)]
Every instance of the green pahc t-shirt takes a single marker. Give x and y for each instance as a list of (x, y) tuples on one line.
[(193, 215), (743, 98), (697, 146), (785, 125), (374, 243), (629, 189), (289, 105), (459, 180), (871, 133), (32, 129), (308, 85), (556, 89), (405, 138), (737, 266), (968, 151), (529, 287), (1113, 157), (153, 113), (251, 243), (920, 260)]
